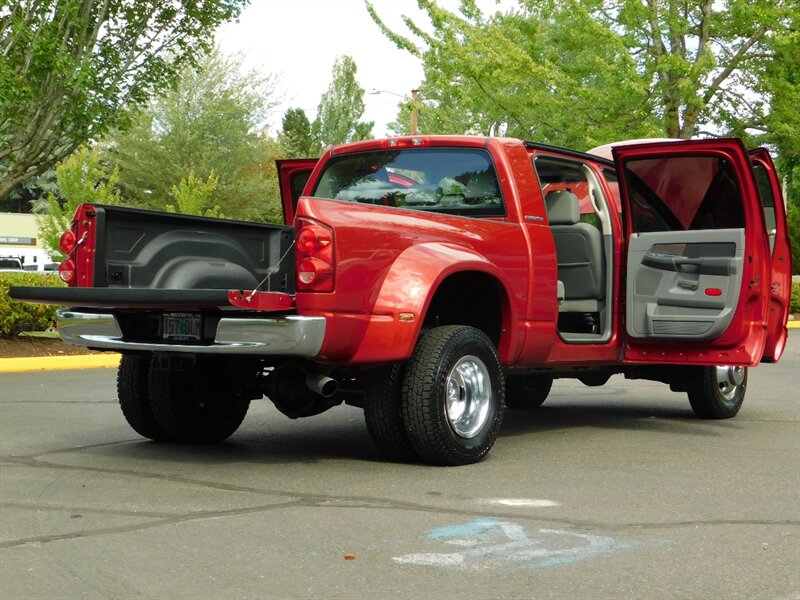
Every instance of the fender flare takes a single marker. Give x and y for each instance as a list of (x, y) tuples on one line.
[(406, 293)]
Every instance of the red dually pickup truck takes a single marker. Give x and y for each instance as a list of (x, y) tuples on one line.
[(434, 282)]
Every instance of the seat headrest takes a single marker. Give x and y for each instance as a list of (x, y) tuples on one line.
[(563, 208)]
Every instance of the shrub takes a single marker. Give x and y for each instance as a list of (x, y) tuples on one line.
[(18, 316), (794, 303)]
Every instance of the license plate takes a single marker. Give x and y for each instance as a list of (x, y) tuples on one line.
[(181, 327)]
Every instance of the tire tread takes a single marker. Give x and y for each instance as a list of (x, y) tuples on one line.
[(383, 412), (134, 397), (425, 376)]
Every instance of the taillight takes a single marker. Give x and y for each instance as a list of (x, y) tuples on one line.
[(67, 242), (314, 257), (313, 269), (78, 244), (66, 270)]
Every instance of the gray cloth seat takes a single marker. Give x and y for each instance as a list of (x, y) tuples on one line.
[(579, 252)]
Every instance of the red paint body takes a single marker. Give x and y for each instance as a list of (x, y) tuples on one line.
[(392, 261)]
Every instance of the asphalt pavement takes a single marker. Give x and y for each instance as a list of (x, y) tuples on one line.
[(609, 492)]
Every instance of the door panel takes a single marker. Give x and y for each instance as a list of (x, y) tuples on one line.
[(697, 253), (687, 289), (292, 177), (769, 189)]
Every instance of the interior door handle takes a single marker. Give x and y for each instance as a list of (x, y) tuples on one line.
[(710, 265), (687, 265)]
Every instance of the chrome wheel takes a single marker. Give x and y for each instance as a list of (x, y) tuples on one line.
[(469, 397), (717, 392), (453, 395), (729, 379)]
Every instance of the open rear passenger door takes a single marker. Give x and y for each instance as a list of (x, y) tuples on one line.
[(698, 277), (292, 177), (769, 190)]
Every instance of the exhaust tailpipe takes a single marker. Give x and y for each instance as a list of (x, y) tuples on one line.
[(321, 384)]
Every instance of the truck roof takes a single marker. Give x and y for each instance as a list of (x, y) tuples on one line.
[(460, 140)]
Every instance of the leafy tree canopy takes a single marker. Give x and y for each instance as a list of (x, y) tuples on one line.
[(81, 178), (70, 69), (209, 128), (295, 136), (586, 72), (341, 107), (192, 196)]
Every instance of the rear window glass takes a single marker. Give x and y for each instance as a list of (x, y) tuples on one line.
[(447, 180)]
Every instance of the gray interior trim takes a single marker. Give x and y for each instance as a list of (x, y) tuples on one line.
[(583, 306), (683, 295)]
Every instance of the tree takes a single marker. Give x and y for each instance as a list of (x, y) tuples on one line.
[(586, 72), (81, 178), (192, 196), (211, 124), (781, 84), (341, 107), (295, 137), (21, 199), (71, 69)]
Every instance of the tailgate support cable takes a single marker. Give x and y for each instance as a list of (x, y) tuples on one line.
[(270, 272)]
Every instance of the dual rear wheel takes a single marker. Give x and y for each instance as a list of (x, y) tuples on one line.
[(168, 405), (444, 405)]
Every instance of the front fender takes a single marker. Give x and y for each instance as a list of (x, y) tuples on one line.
[(406, 293)]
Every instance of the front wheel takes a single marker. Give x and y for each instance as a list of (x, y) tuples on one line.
[(718, 392), (453, 396)]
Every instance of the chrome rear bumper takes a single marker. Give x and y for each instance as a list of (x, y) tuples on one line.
[(281, 336)]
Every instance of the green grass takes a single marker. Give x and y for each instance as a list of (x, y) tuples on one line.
[(40, 334)]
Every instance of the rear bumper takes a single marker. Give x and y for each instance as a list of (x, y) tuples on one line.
[(282, 336)]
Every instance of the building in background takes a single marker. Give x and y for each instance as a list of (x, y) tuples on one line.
[(19, 239)]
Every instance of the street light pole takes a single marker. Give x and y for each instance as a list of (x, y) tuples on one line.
[(413, 105), (414, 112)]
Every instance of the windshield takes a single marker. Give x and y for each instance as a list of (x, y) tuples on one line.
[(459, 181)]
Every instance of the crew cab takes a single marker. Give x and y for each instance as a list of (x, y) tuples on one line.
[(435, 281)]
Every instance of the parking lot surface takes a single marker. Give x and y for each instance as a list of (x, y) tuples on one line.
[(609, 492)]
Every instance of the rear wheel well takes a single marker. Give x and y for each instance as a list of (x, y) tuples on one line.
[(469, 298)]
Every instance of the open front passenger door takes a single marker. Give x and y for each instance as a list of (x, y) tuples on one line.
[(698, 272)]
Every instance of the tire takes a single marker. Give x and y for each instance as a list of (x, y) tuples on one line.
[(134, 396), (527, 392), (453, 395), (189, 406), (718, 392), (383, 413)]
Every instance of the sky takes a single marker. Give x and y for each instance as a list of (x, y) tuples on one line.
[(299, 40)]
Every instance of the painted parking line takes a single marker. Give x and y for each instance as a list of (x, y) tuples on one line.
[(523, 502)]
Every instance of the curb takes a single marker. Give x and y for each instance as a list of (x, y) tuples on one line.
[(55, 363)]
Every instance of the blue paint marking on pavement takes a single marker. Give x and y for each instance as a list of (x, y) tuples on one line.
[(472, 528), (488, 542)]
